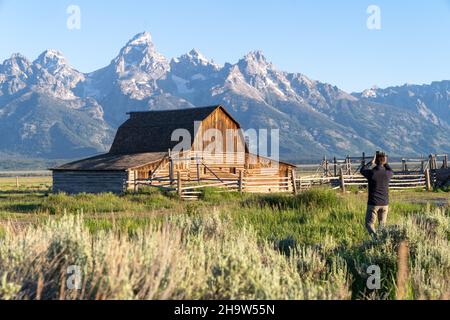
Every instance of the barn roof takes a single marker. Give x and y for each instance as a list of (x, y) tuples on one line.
[(113, 162), (151, 131), (145, 138)]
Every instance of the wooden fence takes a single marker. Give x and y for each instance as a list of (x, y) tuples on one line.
[(191, 190), (340, 177), (402, 181)]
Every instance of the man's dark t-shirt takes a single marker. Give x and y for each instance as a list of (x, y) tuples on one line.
[(379, 178)]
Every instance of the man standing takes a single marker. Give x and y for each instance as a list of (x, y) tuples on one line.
[(379, 178)]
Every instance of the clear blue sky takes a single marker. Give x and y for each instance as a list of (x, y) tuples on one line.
[(326, 40)]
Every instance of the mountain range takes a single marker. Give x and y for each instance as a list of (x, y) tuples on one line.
[(50, 110)]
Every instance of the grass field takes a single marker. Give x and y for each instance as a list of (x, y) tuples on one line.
[(226, 246)]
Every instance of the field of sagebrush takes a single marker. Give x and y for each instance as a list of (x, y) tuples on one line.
[(226, 246)]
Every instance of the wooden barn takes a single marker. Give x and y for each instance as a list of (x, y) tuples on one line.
[(152, 148)]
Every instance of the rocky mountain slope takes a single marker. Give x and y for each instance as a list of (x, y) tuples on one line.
[(49, 109)]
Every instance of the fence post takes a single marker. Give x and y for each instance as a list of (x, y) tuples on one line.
[(326, 164), (342, 180), (335, 166), (171, 171), (402, 269), (198, 170), (428, 179), (445, 162), (403, 165), (294, 183), (179, 190), (135, 181), (347, 161), (241, 181)]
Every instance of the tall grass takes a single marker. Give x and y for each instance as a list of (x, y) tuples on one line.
[(203, 260), (429, 262), (57, 204), (226, 246)]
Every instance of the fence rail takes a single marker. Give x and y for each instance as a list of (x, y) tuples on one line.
[(339, 174), (191, 190), (398, 182)]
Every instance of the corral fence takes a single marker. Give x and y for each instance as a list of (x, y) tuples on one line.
[(340, 174), (192, 190), (343, 182), (409, 173)]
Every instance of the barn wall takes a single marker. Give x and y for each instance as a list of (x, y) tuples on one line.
[(73, 182), (260, 165), (225, 162), (266, 175), (221, 121)]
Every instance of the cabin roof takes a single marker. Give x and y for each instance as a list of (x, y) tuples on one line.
[(151, 131), (113, 162)]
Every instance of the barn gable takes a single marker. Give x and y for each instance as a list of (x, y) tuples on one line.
[(151, 131)]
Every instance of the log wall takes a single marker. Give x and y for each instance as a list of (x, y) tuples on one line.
[(73, 182)]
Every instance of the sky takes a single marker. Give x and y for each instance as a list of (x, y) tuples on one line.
[(326, 40)]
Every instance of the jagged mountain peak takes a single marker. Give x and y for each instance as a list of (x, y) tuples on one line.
[(370, 93), (51, 54), (141, 39), (18, 56), (256, 55), (140, 54), (196, 54), (430, 101), (15, 65), (16, 59), (313, 117), (52, 60), (53, 74), (255, 63), (142, 42), (256, 58), (194, 58)]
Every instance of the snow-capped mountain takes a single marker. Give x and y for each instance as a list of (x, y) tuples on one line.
[(431, 102), (49, 109)]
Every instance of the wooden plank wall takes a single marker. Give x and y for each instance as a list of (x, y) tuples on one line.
[(73, 182), (222, 122), (194, 165)]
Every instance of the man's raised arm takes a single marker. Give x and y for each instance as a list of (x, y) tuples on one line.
[(389, 169), (366, 169)]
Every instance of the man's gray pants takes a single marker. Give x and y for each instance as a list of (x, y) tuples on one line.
[(373, 213)]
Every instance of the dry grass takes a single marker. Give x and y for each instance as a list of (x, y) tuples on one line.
[(25, 183), (202, 260), (152, 246)]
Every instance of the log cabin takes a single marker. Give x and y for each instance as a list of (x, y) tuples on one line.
[(156, 147)]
